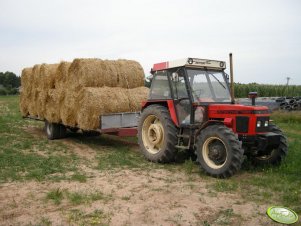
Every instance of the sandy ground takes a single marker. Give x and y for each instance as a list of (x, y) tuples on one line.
[(132, 197)]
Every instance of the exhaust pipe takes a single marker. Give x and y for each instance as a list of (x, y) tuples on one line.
[(231, 79)]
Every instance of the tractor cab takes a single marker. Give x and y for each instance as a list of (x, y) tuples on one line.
[(193, 84)]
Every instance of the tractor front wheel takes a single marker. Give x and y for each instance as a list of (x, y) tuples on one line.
[(275, 155), (157, 134), (219, 151)]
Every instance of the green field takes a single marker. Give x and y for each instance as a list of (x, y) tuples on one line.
[(242, 90), (27, 158)]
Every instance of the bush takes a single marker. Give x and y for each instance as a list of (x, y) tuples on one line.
[(8, 91), (3, 91)]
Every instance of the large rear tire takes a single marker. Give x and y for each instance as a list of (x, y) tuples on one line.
[(275, 155), (219, 151), (157, 134)]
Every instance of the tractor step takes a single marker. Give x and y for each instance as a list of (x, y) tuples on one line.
[(181, 147), (183, 136)]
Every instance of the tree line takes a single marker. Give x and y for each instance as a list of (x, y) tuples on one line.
[(9, 83)]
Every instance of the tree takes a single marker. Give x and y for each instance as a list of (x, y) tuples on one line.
[(9, 80)]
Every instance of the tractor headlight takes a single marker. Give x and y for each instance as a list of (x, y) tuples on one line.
[(266, 123), (258, 123)]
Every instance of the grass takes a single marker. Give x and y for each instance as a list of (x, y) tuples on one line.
[(224, 186), (76, 198), (24, 156), (286, 117), (97, 217), (79, 177), (56, 195)]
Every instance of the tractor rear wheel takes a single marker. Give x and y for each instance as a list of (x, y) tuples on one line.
[(219, 151), (157, 134), (274, 156)]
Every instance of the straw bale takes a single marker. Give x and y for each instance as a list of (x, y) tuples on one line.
[(26, 90), (61, 74), (99, 101), (52, 112), (68, 108), (98, 73), (47, 76)]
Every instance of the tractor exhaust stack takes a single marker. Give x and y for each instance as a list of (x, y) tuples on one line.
[(231, 79)]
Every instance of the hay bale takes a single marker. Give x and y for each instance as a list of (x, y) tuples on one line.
[(26, 90), (61, 74), (99, 73), (44, 82), (68, 108), (99, 101), (47, 76), (52, 112), (34, 93)]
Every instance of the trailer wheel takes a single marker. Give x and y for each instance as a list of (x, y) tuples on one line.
[(219, 151), (157, 134), (55, 130), (275, 155)]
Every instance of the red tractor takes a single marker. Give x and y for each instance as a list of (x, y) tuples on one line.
[(191, 107)]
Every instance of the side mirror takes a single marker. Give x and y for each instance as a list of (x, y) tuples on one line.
[(227, 77), (175, 76)]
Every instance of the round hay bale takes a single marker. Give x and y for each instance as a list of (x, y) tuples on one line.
[(25, 91), (52, 112), (61, 74), (68, 109), (99, 73), (93, 102), (47, 76), (137, 96)]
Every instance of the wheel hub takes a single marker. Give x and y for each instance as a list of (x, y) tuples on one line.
[(217, 152), (214, 152), (155, 134)]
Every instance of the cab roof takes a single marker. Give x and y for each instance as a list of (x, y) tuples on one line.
[(190, 62)]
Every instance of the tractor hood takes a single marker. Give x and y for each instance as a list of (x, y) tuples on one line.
[(236, 109)]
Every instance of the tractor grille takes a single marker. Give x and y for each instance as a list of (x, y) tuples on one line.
[(242, 124), (262, 128)]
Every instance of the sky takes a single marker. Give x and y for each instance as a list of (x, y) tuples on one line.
[(263, 35)]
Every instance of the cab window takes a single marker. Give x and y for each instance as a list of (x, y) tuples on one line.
[(160, 87)]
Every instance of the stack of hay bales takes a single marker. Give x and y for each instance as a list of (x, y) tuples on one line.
[(76, 94)]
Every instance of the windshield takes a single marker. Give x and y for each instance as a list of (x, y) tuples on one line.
[(208, 86)]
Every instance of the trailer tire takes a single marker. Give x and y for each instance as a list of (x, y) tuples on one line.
[(219, 151), (53, 130), (157, 134), (63, 131), (277, 154)]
